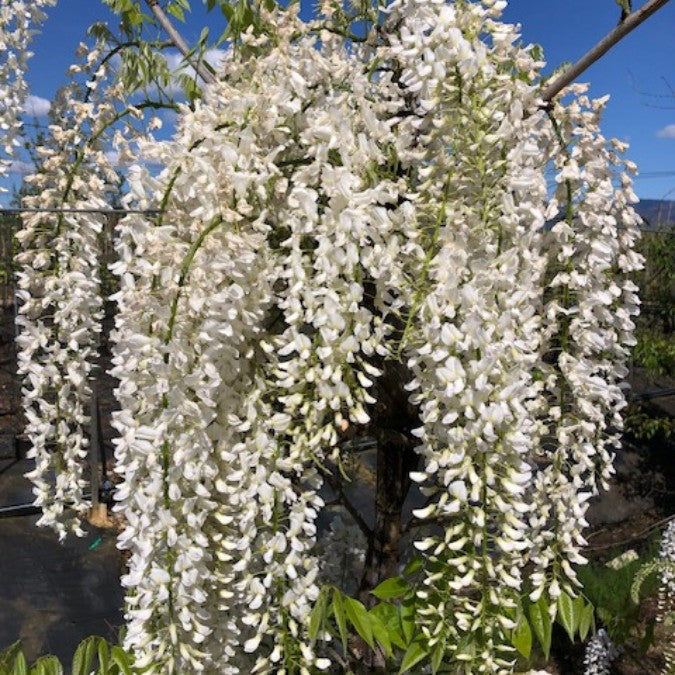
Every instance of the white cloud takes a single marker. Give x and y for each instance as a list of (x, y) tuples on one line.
[(667, 131), (113, 157), (36, 106), (214, 57), (16, 166)]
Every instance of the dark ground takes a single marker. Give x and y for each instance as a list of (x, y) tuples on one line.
[(52, 596)]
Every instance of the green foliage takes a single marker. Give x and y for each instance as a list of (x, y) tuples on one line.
[(644, 424), (657, 292), (390, 628), (536, 619), (177, 9), (609, 590), (521, 637), (655, 351), (653, 567), (625, 5), (94, 655), (391, 588), (655, 348), (416, 652), (645, 571), (130, 13), (540, 621)]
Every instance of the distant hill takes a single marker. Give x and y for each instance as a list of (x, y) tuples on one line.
[(656, 212)]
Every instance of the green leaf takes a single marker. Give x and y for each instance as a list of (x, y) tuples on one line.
[(625, 5), (585, 621), (437, 656), (408, 618), (360, 619), (567, 616), (176, 11), (20, 666), (84, 656), (521, 637), (605, 616), (647, 640), (466, 648), (7, 657), (413, 566), (541, 624), (416, 652), (47, 665), (227, 10), (579, 605), (340, 617), (121, 659), (391, 588), (389, 616), (103, 657), (318, 616), (381, 633), (537, 52)]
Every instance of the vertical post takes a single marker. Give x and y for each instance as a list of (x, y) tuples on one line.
[(94, 449), (98, 516)]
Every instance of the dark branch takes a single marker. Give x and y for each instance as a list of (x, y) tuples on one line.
[(351, 509), (626, 26), (178, 40)]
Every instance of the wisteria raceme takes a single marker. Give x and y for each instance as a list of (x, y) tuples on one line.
[(60, 310), (666, 602), (325, 209), (19, 21), (274, 410), (474, 334), (588, 324), (600, 652)]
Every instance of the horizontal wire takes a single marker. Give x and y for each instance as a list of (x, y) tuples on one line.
[(54, 210)]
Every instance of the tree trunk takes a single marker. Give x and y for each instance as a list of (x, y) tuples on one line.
[(393, 419)]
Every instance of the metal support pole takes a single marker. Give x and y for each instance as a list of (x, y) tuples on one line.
[(94, 449)]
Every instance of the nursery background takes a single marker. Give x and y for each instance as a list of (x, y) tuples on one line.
[(223, 203)]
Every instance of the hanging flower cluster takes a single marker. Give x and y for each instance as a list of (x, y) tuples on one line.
[(666, 605), (242, 347), (325, 208), (19, 21), (589, 319), (473, 334), (600, 652), (58, 288)]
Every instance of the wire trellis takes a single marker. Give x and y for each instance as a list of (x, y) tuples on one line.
[(113, 211)]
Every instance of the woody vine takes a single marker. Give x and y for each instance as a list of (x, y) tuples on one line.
[(351, 237)]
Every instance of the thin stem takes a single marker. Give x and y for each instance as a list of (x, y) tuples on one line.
[(94, 137), (184, 271), (85, 210), (421, 291), (121, 47), (351, 509)]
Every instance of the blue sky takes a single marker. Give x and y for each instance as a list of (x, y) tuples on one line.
[(636, 73)]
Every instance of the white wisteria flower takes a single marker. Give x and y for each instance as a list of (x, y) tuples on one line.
[(20, 20), (326, 208)]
